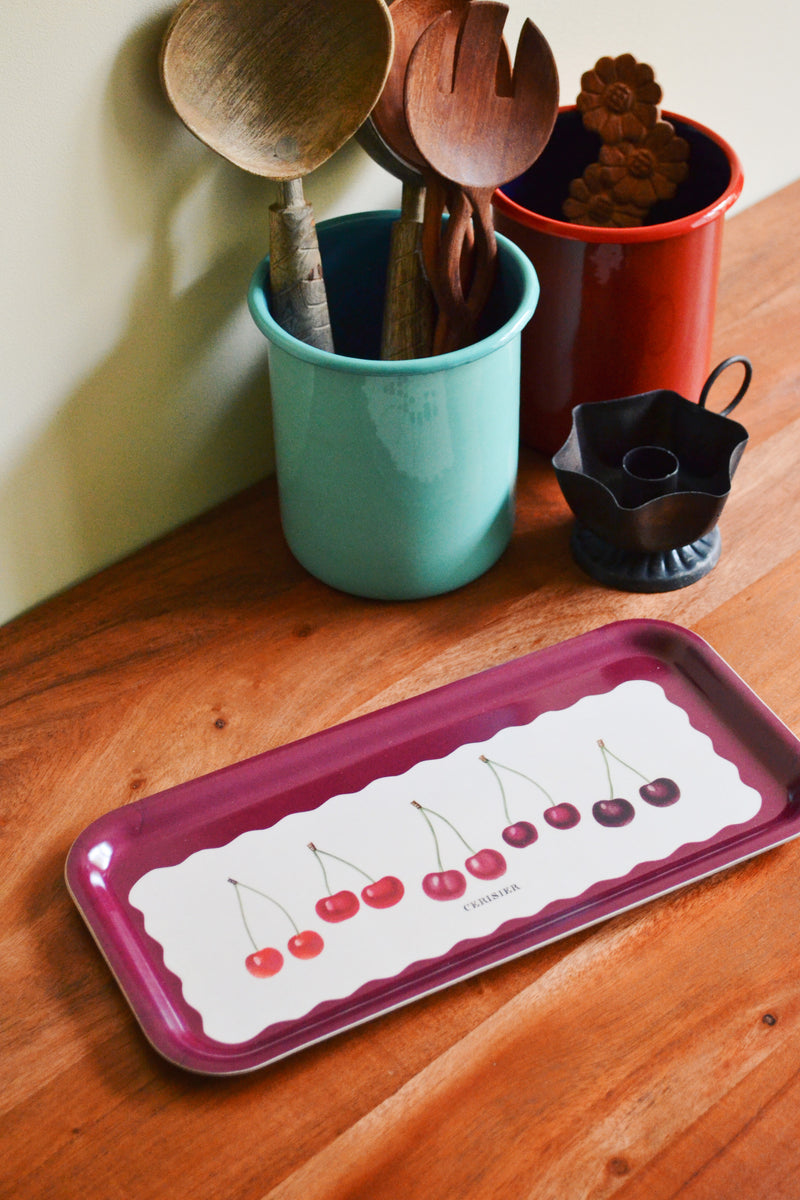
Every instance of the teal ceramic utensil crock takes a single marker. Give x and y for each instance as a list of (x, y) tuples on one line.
[(396, 479)]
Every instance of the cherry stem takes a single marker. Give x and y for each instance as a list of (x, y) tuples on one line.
[(621, 761), (344, 861), (241, 910), (605, 754), (433, 813), (514, 771), (237, 885), (491, 767), (322, 868), (433, 834)]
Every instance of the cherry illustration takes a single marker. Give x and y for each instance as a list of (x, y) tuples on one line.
[(336, 906), (520, 834), (378, 893), (613, 812), (307, 944), (562, 816), (661, 792), (384, 892), (339, 906), (444, 885), (523, 833), (483, 864), (441, 884), (263, 963), (486, 864)]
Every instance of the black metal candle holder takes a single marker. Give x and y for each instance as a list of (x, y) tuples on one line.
[(647, 477)]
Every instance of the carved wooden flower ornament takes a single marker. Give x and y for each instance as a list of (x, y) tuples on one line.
[(642, 159), (592, 201), (619, 98), (643, 172)]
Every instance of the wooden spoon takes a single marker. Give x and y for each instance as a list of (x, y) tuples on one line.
[(408, 310), (475, 136), (408, 317), (276, 87)]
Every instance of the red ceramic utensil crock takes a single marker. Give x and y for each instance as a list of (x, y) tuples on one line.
[(622, 311)]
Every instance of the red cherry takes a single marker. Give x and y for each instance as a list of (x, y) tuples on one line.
[(337, 907), (307, 944), (444, 885), (264, 963), (486, 864), (383, 893), (520, 834), (562, 816), (613, 813), (660, 792)]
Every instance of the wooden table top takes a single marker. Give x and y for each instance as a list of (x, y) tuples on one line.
[(630, 1060)]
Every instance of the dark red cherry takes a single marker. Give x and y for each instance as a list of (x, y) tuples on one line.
[(306, 944), (613, 813), (444, 885), (263, 963), (383, 893), (520, 834), (486, 864), (562, 816), (338, 907), (660, 792)]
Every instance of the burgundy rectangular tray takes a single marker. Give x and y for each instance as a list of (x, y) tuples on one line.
[(267, 796)]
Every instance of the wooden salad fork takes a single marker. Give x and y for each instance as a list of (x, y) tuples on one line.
[(476, 131)]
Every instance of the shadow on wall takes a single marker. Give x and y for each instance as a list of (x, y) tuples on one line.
[(176, 417)]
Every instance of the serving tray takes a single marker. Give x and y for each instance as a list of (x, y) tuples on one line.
[(259, 909)]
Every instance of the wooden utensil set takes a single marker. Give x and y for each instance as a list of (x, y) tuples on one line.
[(477, 123), (277, 88)]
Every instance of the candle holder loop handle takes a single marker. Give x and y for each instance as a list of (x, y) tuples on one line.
[(715, 374)]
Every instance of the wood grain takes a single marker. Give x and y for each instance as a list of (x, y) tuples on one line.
[(277, 89), (298, 300), (630, 1061), (408, 311)]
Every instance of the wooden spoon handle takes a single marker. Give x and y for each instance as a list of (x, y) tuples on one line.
[(457, 242), (408, 313), (469, 290), (485, 268), (449, 258), (297, 289), (435, 203), (454, 271)]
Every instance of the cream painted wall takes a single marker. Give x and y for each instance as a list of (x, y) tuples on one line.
[(134, 390)]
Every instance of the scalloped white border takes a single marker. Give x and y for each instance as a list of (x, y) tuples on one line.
[(190, 909)]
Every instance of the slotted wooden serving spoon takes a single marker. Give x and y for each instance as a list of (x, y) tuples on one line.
[(276, 87), (408, 317), (475, 136)]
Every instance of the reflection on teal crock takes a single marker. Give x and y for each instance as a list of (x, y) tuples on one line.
[(413, 426)]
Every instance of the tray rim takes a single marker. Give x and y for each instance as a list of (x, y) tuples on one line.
[(141, 976)]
